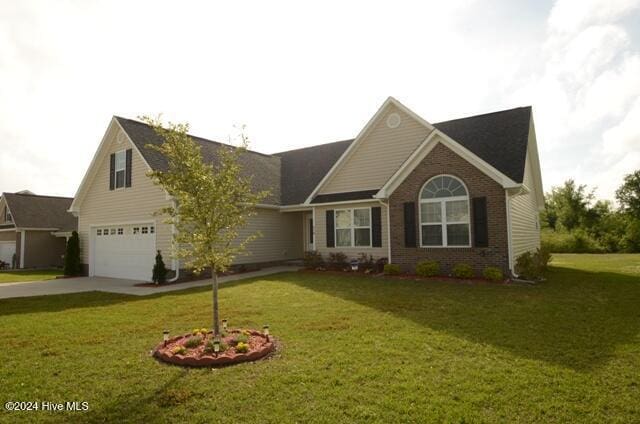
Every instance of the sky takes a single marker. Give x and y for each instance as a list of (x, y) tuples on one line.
[(299, 74)]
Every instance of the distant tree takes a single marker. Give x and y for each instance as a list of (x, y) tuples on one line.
[(567, 205), (72, 256), (212, 202), (628, 195)]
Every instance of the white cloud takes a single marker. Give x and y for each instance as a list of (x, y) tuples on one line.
[(571, 15)]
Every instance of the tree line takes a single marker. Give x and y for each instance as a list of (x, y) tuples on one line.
[(574, 221)]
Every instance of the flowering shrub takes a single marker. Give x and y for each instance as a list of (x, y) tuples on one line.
[(242, 347), (240, 338), (178, 350)]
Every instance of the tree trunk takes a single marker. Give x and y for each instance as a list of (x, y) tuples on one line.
[(216, 321)]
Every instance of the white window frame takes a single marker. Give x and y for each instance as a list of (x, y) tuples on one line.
[(443, 214), (352, 227), (123, 169)]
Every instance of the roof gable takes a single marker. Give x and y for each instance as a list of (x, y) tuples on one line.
[(263, 169), (33, 211)]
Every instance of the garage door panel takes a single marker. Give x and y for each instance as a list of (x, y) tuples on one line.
[(128, 252), (7, 249)]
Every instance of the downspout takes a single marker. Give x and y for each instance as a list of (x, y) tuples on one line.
[(175, 263), (22, 242), (388, 230), (507, 201)]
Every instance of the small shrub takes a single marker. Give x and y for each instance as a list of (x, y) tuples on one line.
[(492, 273), (239, 338), (392, 269), (312, 260), (337, 261), (179, 350), (72, 265), (193, 342), (159, 270), (532, 266), (242, 347), (366, 263), (428, 268), (463, 270), (209, 347)]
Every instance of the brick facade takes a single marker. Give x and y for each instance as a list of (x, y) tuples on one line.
[(441, 160)]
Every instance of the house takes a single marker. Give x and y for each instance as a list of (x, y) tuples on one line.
[(466, 190), (35, 229)]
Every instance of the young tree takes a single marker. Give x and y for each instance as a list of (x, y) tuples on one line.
[(629, 194), (72, 256), (212, 201)]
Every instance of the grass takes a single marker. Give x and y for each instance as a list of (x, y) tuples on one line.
[(354, 349), (21, 275)]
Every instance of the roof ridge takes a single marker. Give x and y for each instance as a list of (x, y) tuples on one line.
[(311, 147), (38, 195), (195, 137), (484, 114)]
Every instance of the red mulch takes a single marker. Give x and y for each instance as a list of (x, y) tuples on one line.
[(411, 277), (180, 281), (259, 347)]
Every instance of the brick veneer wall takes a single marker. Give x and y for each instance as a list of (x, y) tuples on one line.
[(441, 160)]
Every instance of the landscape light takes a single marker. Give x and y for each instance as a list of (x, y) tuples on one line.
[(265, 330), (216, 345), (165, 336), (224, 324)]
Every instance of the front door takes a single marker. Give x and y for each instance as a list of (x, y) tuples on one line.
[(310, 235)]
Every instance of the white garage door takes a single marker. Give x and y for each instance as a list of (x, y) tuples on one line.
[(124, 251), (7, 249)]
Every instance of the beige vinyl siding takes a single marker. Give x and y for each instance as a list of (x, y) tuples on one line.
[(378, 155), (8, 235), (525, 226), (281, 237), (351, 252), (125, 205)]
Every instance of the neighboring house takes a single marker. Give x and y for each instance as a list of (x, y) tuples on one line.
[(35, 229), (466, 190)]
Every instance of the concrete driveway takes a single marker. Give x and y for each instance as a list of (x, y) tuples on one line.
[(114, 285)]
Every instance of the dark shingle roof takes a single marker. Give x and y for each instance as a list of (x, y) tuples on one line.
[(499, 138), (33, 211), (264, 170), (302, 169)]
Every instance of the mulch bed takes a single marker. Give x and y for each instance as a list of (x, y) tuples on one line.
[(260, 346), (410, 277), (195, 278)]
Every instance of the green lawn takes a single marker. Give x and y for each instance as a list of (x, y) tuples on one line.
[(16, 276), (354, 349)]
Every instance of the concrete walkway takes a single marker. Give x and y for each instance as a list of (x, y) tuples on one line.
[(114, 285)]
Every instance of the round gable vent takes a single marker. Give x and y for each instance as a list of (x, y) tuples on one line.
[(393, 120)]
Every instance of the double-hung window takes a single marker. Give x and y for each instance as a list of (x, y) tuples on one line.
[(120, 169), (444, 213), (353, 227)]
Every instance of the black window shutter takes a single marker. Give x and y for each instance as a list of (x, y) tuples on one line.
[(311, 230), (376, 227), (330, 234), (410, 224), (480, 227), (127, 172), (112, 172)]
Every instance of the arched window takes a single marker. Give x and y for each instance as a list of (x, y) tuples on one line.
[(444, 213)]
